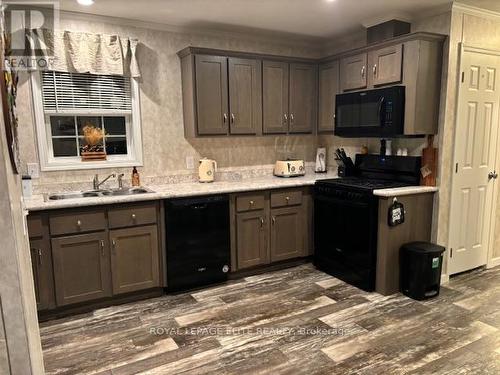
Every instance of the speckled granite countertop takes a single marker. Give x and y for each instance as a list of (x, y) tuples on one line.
[(407, 190), (177, 190)]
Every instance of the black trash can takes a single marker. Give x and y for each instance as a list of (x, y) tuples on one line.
[(420, 269)]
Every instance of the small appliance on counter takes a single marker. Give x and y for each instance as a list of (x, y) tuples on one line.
[(290, 168), (206, 170), (320, 160)]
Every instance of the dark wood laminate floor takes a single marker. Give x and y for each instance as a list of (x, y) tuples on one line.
[(295, 321)]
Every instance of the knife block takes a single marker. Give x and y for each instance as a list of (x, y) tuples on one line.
[(344, 171)]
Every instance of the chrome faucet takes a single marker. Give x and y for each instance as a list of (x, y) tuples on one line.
[(98, 184)]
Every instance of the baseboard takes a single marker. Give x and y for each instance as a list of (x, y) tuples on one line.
[(494, 262), (445, 278)]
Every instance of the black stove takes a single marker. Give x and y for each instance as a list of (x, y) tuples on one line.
[(346, 216)]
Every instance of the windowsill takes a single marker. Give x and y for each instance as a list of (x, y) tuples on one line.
[(81, 165)]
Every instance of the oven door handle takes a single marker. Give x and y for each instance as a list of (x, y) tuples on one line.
[(380, 106), (342, 202)]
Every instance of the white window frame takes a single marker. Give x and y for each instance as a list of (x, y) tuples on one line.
[(50, 163)]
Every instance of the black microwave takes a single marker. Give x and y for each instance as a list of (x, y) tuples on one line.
[(371, 113)]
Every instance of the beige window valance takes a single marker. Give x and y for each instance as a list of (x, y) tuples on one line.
[(79, 52)]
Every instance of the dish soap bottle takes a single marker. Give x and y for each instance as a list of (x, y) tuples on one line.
[(136, 181)]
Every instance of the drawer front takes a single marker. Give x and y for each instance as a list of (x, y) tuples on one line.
[(77, 222), (250, 202), (132, 216), (286, 198), (35, 226)]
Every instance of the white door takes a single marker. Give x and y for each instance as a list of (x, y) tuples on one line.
[(475, 159)]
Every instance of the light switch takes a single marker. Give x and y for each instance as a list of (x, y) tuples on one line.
[(189, 162), (33, 170)]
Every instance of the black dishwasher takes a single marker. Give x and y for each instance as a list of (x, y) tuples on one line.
[(198, 241)]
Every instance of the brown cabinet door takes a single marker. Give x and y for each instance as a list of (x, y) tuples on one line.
[(245, 96), (251, 239), (135, 259), (41, 261), (82, 269), (353, 72), (303, 92), (211, 95), (386, 65), (328, 88), (275, 97), (287, 233)]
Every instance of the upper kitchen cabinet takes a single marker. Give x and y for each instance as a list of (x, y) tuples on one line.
[(386, 65), (289, 97), (211, 95), (375, 68), (329, 87), (353, 72), (275, 82), (245, 96), (302, 98), (239, 93), (221, 95)]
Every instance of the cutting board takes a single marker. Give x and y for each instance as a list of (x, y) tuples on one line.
[(429, 163)]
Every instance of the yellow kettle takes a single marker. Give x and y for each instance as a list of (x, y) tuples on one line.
[(206, 170)]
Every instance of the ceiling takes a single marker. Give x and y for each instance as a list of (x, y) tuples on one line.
[(309, 18)]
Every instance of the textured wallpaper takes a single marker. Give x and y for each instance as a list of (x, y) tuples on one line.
[(165, 148)]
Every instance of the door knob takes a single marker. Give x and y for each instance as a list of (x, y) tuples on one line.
[(492, 175)]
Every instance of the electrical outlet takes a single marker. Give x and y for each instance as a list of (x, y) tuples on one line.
[(189, 162), (33, 170)]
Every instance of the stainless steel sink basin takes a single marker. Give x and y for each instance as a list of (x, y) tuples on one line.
[(99, 193)]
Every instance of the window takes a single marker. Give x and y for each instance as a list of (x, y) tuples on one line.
[(65, 103)]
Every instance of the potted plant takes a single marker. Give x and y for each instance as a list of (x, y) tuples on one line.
[(93, 149)]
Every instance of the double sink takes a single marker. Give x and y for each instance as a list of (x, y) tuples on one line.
[(99, 193)]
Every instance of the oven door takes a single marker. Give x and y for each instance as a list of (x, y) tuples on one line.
[(346, 239)]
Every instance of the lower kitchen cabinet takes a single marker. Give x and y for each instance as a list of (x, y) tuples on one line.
[(81, 268), (135, 259), (287, 231), (271, 226), (251, 239), (41, 261)]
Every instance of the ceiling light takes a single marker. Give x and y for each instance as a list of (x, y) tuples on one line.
[(85, 2)]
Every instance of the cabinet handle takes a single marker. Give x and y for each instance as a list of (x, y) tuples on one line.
[(102, 247), (232, 118), (291, 118), (273, 219), (39, 253), (363, 69), (78, 223), (375, 70), (224, 118), (261, 222), (251, 203), (113, 243), (287, 199), (285, 118), (134, 217)]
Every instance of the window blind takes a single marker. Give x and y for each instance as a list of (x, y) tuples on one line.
[(66, 92)]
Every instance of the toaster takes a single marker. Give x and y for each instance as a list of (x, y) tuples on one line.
[(289, 168)]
